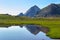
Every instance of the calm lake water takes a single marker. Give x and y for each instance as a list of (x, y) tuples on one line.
[(29, 32)]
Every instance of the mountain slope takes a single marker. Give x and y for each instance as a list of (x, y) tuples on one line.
[(52, 10), (32, 11)]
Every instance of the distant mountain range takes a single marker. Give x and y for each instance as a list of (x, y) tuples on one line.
[(52, 10), (31, 12), (21, 14)]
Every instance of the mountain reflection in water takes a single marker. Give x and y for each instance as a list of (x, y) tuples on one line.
[(35, 29), (26, 32)]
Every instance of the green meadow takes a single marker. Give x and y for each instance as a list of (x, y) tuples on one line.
[(52, 23)]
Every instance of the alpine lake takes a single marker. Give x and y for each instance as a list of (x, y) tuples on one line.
[(24, 32)]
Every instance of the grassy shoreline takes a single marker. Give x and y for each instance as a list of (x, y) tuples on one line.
[(52, 23)]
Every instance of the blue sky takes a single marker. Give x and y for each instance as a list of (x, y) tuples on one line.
[(14, 7)]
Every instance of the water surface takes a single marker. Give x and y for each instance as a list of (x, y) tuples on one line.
[(28, 32)]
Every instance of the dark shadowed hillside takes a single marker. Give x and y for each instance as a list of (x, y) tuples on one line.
[(52, 10)]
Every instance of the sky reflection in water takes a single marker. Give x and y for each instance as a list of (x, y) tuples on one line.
[(18, 33)]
